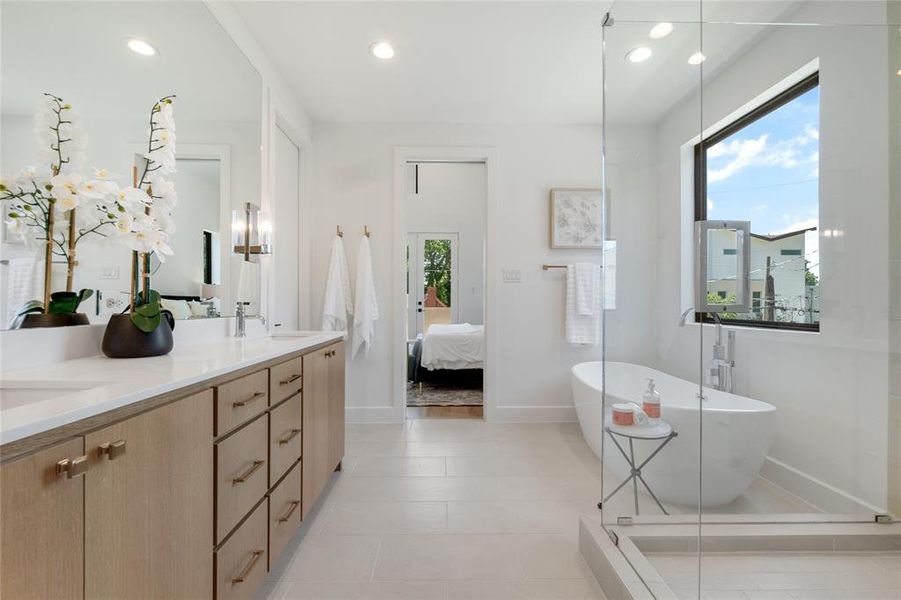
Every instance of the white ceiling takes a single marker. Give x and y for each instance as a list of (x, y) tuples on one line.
[(77, 50), (490, 62)]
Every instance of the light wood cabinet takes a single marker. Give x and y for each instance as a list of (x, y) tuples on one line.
[(315, 458), (241, 474), (42, 525), (336, 405), (323, 420), (190, 495), (148, 503)]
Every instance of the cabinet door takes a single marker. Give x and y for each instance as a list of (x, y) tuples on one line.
[(336, 404), (42, 525), (149, 504), (315, 458)]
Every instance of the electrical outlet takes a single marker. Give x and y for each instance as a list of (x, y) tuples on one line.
[(109, 273), (512, 276)]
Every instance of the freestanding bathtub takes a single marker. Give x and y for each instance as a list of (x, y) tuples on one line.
[(738, 432)]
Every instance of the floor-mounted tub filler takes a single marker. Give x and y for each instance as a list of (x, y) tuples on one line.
[(737, 432)]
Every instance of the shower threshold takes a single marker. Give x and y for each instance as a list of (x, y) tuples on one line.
[(784, 554)]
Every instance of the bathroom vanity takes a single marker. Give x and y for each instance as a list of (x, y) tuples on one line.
[(175, 476)]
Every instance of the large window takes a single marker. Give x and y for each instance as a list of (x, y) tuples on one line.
[(764, 168)]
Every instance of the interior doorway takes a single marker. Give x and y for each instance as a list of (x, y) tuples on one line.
[(445, 304), (286, 303)]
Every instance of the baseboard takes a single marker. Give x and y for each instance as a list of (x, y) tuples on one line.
[(370, 414), (531, 414), (827, 498)]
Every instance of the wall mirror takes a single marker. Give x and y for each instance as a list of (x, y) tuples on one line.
[(112, 87), (723, 250)]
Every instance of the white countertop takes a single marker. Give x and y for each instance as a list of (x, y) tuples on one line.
[(114, 383)]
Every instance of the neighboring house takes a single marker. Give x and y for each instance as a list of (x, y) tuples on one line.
[(787, 266)]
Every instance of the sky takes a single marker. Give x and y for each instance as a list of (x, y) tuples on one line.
[(768, 172)]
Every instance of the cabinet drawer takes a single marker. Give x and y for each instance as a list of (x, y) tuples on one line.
[(240, 400), (241, 474), (286, 379), (285, 437), (284, 513), (241, 562)]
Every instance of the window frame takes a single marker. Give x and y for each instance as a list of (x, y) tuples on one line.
[(700, 184)]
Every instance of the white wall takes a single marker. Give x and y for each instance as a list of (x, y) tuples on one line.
[(830, 388), (451, 199), (353, 187)]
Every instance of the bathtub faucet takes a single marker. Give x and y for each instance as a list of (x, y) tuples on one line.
[(723, 362)]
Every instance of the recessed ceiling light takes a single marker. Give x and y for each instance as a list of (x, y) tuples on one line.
[(898, 73), (382, 50), (696, 59), (661, 30), (640, 54), (141, 47)]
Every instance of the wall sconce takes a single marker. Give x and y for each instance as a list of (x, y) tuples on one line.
[(251, 232)]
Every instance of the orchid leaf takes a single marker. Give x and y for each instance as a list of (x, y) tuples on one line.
[(146, 316), (63, 303)]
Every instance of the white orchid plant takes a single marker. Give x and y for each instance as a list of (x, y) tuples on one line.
[(44, 202), (144, 213)]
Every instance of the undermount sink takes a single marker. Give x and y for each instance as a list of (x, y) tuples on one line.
[(21, 392)]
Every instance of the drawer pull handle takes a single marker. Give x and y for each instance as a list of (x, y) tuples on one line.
[(240, 403), (284, 518), (113, 449), (330, 353), (74, 467), (291, 435), (253, 469), (242, 576), (291, 379)]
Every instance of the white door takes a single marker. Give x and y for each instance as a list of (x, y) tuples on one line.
[(286, 231), (432, 281)]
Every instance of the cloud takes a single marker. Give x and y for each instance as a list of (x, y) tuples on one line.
[(743, 153), (709, 205)]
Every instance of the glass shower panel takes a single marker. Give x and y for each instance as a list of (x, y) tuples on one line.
[(649, 426), (797, 136)]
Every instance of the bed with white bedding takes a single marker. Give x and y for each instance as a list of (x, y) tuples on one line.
[(455, 347)]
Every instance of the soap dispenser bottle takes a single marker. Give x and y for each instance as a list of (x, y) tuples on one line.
[(651, 401)]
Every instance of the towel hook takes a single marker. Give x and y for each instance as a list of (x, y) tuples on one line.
[(338, 231), (366, 230)]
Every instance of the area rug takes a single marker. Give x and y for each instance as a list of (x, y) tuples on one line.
[(442, 394)]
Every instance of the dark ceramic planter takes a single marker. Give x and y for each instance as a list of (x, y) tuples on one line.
[(123, 340), (33, 320)]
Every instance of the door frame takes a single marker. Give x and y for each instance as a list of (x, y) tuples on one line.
[(403, 155), (419, 276)]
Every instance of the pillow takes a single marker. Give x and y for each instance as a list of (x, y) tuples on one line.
[(178, 308)]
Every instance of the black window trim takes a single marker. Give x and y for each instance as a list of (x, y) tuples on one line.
[(700, 184)]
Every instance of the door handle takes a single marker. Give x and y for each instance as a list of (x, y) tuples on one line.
[(244, 574), (284, 518), (253, 469), (73, 467), (291, 379), (113, 449), (240, 403), (291, 435)]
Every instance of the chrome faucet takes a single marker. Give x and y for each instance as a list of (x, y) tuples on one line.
[(723, 362), (240, 319)]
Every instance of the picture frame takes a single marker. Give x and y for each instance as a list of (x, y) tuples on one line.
[(575, 218)]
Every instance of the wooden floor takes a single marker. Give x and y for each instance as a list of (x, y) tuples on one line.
[(444, 412)]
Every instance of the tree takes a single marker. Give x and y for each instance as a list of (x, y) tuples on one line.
[(437, 268)]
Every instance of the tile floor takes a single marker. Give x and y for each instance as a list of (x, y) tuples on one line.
[(783, 575), (448, 509)]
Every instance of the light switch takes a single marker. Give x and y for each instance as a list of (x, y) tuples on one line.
[(109, 272), (512, 276)]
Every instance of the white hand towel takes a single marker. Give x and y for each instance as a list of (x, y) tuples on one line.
[(582, 322), (338, 300), (366, 306), (26, 274)]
